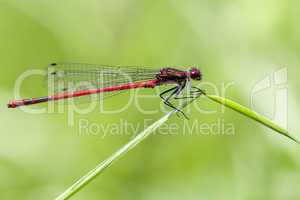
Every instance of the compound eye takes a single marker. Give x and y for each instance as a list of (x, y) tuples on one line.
[(195, 74)]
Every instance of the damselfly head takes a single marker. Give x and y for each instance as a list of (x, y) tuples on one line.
[(195, 74)]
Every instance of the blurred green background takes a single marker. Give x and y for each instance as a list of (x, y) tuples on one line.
[(239, 41)]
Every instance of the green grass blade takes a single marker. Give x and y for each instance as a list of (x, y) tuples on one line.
[(82, 182), (86, 179), (251, 114), (106, 163)]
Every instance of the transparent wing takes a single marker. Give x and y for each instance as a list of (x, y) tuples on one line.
[(64, 77)]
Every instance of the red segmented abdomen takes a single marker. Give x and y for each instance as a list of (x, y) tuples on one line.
[(66, 95), (24, 102)]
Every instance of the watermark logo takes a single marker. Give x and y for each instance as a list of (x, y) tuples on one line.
[(123, 127), (273, 88)]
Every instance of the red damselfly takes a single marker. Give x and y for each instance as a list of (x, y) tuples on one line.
[(110, 80)]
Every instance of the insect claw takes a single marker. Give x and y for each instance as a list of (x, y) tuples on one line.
[(178, 112)]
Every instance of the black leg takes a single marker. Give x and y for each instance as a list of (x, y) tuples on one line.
[(166, 100), (195, 93), (199, 91), (176, 90), (167, 91)]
